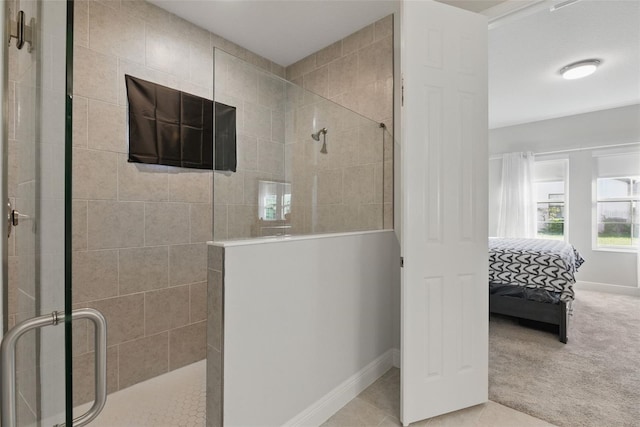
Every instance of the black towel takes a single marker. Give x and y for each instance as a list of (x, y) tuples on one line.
[(174, 128)]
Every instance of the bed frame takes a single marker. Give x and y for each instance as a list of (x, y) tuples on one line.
[(555, 314)]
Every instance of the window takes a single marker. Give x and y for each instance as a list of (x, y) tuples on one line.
[(550, 209), (618, 207), (274, 200), (550, 190)]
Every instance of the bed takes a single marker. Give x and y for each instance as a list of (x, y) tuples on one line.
[(533, 279)]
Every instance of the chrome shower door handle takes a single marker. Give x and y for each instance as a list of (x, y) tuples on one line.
[(8, 363), (100, 336)]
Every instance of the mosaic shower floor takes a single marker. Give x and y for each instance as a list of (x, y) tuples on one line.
[(175, 399)]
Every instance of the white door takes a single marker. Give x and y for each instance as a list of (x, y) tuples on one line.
[(444, 244)]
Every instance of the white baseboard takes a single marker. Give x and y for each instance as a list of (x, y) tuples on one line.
[(332, 402), (605, 287)]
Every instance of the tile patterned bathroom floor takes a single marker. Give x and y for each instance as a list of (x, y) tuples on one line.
[(379, 405), (177, 399)]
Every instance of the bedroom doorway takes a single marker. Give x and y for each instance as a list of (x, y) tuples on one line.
[(533, 109)]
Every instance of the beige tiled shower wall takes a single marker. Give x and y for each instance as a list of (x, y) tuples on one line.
[(139, 231), (357, 72), (341, 189), (337, 191), (259, 100)]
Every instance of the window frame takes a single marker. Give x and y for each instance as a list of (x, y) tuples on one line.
[(565, 202), (635, 204)]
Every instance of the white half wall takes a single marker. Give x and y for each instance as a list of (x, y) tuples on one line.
[(302, 316), (598, 129)]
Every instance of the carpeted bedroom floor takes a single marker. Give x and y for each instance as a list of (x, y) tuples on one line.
[(593, 380)]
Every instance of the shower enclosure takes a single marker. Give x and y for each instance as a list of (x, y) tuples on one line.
[(36, 200), (306, 165)]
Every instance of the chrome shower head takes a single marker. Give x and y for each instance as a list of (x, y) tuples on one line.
[(323, 150), (316, 136)]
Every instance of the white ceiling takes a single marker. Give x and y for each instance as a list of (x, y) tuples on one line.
[(526, 54), (525, 51), (283, 31), (473, 5)]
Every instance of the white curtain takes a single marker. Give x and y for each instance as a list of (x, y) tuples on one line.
[(517, 214)]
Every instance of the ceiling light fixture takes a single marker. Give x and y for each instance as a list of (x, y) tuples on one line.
[(580, 69), (562, 4)]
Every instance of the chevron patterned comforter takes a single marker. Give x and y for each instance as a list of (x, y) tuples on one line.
[(534, 263)]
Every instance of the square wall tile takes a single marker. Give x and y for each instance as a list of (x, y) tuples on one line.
[(107, 126), (80, 121), (359, 184), (343, 75), (79, 225), (201, 222), (115, 224), (142, 182), (142, 359), (125, 317), (329, 53), (317, 81), (271, 157), (187, 345), (216, 258), (201, 64), (384, 28), (228, 188), (166, 223), (220, 226), (80, 337), (329, 187), (94, 75), (189, 186), (247, 152), (215, 310), (358, 40), (374, 62), (84, 375), (95, 275), (257, 120), (94, 174), (242, 221), (115, 33), (81, 23), (187, 264), (270, 92), (166, 309), (198, 304), (143, 269), (166, 51)]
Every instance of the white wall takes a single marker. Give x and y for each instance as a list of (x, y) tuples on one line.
[(602, 128), (613, 126), (302, 316)]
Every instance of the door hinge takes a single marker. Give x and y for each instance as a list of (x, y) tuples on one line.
[(401, 261), (22, 32)]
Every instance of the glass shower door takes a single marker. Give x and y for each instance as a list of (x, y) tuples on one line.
[(35, 355), (34, 143)]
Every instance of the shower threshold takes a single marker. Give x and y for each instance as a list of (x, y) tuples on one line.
[(177, 398)]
